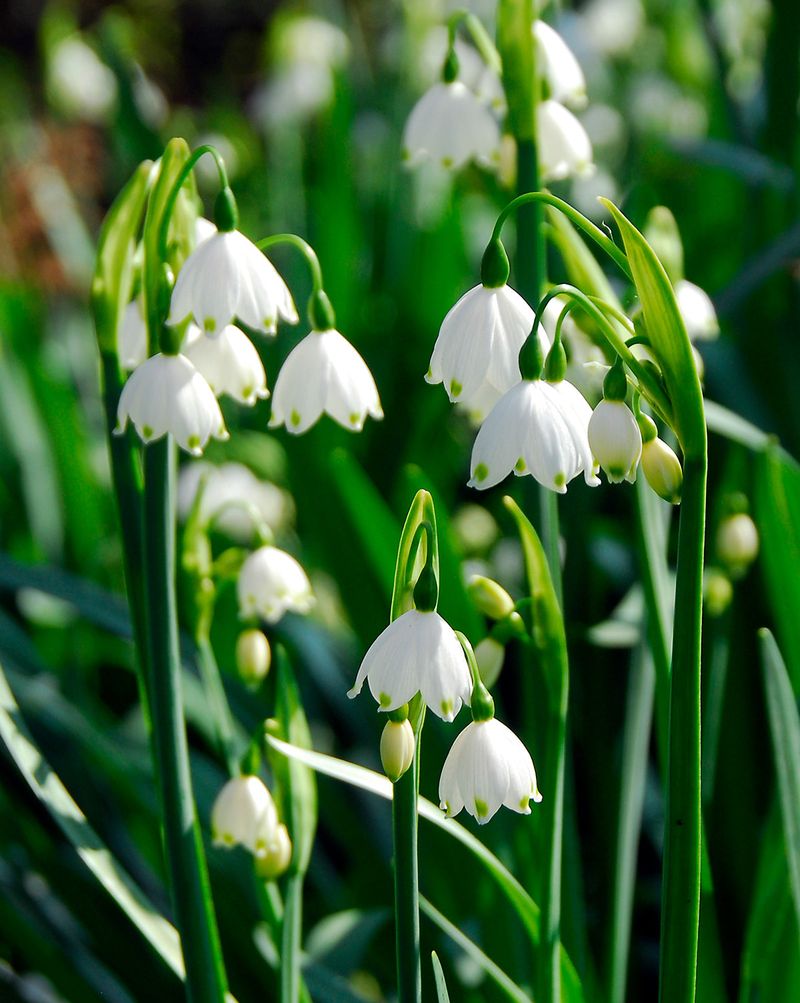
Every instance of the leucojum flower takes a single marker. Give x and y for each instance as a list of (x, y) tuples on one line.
[(229, 362), (271, 582), (614, 435), (244, 814), (476, 355)]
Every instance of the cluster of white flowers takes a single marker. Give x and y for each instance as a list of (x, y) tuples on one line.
[(457, 120), (245, 815)]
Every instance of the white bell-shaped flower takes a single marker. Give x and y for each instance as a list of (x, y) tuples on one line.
[(615, 440), (132, 336), (233, 497), (229, 361), (487, 766), (476, 355), (450, 126), (559, 67), (565, 149), (697, 311), (244, 814), (203, 229), (324, 374), (226, 276), (417, 653), (167, 394), (537, 428), (270, 583)]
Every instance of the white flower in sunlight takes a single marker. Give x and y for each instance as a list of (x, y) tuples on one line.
[(167, 394), (80, 82), (271, 582), (450, 126), (132, 336), (417, 653), (564, 146), (324, 374), (487, 767), (244, 814), (615, 440), (697, 311), (203, 229), (559, 67), (476, 355), (231, 492), (229, 361), (226, 276), (536, 428)]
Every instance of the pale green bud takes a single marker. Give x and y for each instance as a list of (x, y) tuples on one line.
[(489, 654), (277, 855), (253, 656), (737, 543), (397, 748), (490, 597), (717, 591), (663, 470)]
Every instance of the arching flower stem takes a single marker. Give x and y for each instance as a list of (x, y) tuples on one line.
[(478, 34)]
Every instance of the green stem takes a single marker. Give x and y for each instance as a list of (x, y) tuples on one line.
[(291, 932), (406, 885), (305, 249), (479, 36), (680, 903), (185, 857), (174, 192)]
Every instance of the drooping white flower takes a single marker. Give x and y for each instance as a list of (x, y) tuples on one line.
[(737, 542), (417, 653), (324, 374), (487, 766), (80, 83), (203, 229), (167, 394), (132, 336), (229, 361), (225, 490), (697, 311), (615, 440), (559, 67), (537, 428), (450, 126), (244, 814), (226, 276), (476, 355), (565, 149), (270, 583)]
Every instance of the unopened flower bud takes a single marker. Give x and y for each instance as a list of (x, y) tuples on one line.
[(737, 543), (276, 857), (717, 592), (253, 656), (397, 748), (489, 654), (490, 597), (663, 470)]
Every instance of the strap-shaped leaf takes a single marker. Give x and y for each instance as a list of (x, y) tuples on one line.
[(438, 977), (667, 335)]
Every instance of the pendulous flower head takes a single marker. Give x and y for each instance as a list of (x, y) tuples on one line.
[(487, 766), (615, 440), (270, 583), (229, 362), (225, 277), (324, 374), (565, 149), (167, 394), (244, 814), (559, 67), (417, 653), (450, 126)]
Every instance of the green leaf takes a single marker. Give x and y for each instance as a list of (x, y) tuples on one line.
[(667, 335), (438, 977), (49, 789), (784, 723)]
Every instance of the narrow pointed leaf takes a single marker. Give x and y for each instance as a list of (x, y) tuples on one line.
[(438, 977)]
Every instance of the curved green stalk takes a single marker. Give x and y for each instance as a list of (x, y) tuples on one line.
[(185, 857), (308, 252)]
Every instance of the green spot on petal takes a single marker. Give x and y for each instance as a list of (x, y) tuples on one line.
[(481, 808), (447, 162), (147, 432), (560, 480), (455, 388), (354, 418), (209, 324), (481, 472), (247, 392), (446, 707), (294, 418), (519, 466), (385, 700), (193, 442), (524, 804)]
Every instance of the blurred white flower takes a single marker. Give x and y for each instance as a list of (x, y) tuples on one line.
[(271, 582), (226, 276), (476, 355), (559, 67), (737, 542), (225, 488), (80, 83), (487, 767), (697, 311), (472, 69), (417, 653), (564, 147), (273, 859), (167, 394), (489, 655), (132, 336), (229, 361), (615, 440), (324, 374), (149, 99), (450, 126), (613, 26), (244, 814), (537, 428)]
